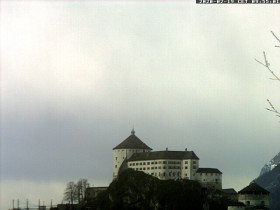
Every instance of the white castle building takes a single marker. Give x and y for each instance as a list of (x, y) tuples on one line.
[(135, 154)]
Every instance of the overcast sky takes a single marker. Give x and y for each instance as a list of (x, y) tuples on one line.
[(77, 76)]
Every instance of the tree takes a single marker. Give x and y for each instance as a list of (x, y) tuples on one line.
[(82, 184), (70, 193), (266, 64)]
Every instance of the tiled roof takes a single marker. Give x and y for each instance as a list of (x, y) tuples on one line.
[(253, 188), (163, 155), (132, 142), (208, 170)]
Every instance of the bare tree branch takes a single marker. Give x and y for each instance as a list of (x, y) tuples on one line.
[(275, 36), (272, 108), (266, 64)]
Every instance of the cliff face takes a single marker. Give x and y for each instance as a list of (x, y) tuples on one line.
[(270, 180), (271, 164), (137, 190)]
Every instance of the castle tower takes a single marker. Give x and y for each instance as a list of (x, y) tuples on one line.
[(124, 150)]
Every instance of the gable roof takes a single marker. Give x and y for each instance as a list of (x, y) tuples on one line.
[(253, 188), (208, 170), (132, 142), (163, 155)]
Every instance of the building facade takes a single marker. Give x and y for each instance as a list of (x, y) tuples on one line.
[(254, 197), (133, 153)]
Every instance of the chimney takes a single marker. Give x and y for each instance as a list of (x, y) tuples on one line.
[(166, 148), (186, 149)]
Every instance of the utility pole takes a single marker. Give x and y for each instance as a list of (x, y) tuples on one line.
[(39, 204), (18, 203), (13, 204), (27, 204), (51, 203)]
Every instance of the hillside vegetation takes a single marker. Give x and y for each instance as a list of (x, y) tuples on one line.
[(137, 190)]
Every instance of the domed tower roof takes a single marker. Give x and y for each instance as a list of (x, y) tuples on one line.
[(132, 142)]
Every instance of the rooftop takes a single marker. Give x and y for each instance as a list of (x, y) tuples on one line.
[(132, 142), (229, 191), (253, 188), (208, 170), (164, 155)]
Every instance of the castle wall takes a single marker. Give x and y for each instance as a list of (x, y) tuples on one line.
[(120, 155), (254, 199), (210, 180)]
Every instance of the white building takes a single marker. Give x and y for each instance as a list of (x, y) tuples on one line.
[(133, 153)]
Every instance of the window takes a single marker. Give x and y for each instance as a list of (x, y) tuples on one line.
[(156, 162), (133, 164), (163, 167), (152, 168), (137, 164), (155, 167), (159, 162), (140, 164), (144, 169), (116, 158), (169, 173), (178, 174), (194, 167), (130, 164), (159, 167), (173, 173), (163, 173), (152, 174), (211, 174), (144, 163), (186, 162), (148, 163), (164, 162), (155, 173), (194, 162), (148, 168), (186, 167), (152, 162), (248, 203), (116, 166)]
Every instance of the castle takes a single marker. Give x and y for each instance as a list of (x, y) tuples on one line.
[(135, 154)]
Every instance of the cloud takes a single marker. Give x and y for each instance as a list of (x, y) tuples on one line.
[(76, 76)]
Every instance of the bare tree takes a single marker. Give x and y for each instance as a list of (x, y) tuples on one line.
[(82, 184), (266, 64), (70, 193)]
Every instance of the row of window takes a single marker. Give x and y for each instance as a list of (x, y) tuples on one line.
[(211, 174), (164, 167), (132, 150), (163, 174), (158, 162)]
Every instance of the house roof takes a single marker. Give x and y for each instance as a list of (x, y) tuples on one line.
[(164, 155), (132, 142), (253, 188), (229, 191), (208, 170)]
